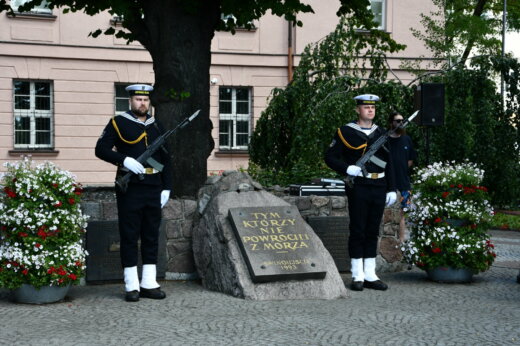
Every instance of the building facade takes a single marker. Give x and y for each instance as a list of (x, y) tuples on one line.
[(59, 87)]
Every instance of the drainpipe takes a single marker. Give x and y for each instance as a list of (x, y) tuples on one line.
[(290, 57)]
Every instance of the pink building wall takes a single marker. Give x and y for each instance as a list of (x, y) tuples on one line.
[(83, 71)]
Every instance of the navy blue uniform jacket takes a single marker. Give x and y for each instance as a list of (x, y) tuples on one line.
[(130, 129), (348, 146)]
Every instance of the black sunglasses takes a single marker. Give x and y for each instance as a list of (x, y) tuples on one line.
[(398, 120)]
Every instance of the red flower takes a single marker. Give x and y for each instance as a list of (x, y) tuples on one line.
[(61, 272), (23, 234), (445, 194), (25, 271), (9, 192), (54, 185), (459, 186), (451, 185), (42, 234), (72, 276), (51, 270), (60, 281), (436, 250), (437, 220), (72, 201), (38, 245), (78, 191), (78, 264), (58, 204)]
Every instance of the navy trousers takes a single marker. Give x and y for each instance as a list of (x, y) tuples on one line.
[(139, 210), (366, 204)]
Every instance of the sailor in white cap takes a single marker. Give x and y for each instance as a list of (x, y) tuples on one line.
[(369, 194), (139, 208)]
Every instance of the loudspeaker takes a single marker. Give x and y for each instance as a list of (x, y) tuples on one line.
[(429, 100)]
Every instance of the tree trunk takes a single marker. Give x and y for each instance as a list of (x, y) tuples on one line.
[(479, 9), (180, 46)]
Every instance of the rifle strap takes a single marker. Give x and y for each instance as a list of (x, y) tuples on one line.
[(378, 162), (348, 145), (140, 138)]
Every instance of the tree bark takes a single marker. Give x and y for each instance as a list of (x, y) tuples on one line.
[(479, 9), (180, 46)]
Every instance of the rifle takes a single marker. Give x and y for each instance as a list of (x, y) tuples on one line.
[(369, 155), (146, 157)]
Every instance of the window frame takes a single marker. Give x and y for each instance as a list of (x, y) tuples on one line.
[(234, 117), (116, 98), (382, 25), (32, 113)]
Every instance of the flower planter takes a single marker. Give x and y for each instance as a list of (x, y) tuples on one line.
[(450, 275), (28, 294), (457, 222)]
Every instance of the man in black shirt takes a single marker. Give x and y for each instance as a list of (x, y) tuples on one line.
[(403, 155), (370, 192), (139, 208)]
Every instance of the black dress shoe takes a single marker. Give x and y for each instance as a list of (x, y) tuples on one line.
[(132, 296), (153, 293), (356, 285), (375, 285)]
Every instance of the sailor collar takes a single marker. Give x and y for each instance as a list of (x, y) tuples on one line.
[(366, 131), (149, 119)]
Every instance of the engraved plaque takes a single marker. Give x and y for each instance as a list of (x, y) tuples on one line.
[(104, 262), (333, 232), (276, 244)]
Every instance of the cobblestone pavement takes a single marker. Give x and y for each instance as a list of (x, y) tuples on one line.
[(414, 311)]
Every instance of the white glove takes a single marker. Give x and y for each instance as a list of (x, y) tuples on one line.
[(354, 170), (133, 165), (391, 197), (165, 196)]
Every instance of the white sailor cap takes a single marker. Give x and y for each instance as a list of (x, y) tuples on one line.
[(366, 99), (139, 89)]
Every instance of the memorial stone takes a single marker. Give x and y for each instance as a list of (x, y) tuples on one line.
[(275, 244), (222, 265)]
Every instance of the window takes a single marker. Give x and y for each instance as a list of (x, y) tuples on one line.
[(42, 8), (235, 116), (378, 8), (33, 115), (121, 100), (229, 17)]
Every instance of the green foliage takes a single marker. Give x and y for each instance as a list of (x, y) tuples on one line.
[(458, 28), (506, 222), (294, 131), (478, 128)]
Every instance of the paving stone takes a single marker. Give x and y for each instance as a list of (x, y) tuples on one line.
[(413, 311)]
